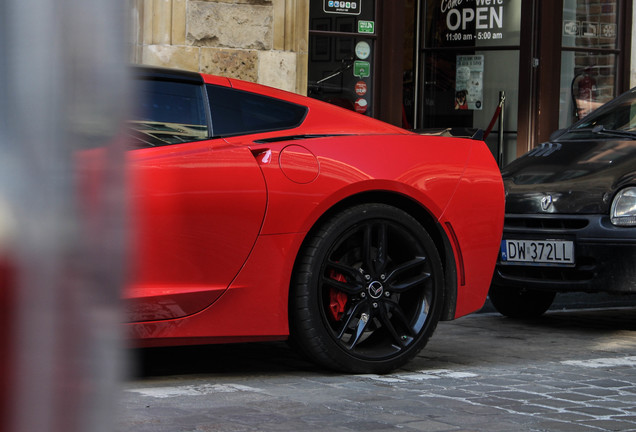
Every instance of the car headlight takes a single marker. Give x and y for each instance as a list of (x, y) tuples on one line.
[(623, 211)]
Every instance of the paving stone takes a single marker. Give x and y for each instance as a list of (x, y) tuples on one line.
[(610, 425), (610, 383), (555, 403), (458, 393), (571, 396), (595, 411), (500, 381), (480, 410), (514, 395), (431, 426), (533, 410), (596, 391), (494, 401), (628, 397), (615, 403), (535, 388), (566, 416), (553, 426)]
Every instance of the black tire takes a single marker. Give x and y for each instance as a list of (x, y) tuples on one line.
[(367, 290), (519, 302)]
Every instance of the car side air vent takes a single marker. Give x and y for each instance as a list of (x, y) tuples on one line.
[(546, 223)]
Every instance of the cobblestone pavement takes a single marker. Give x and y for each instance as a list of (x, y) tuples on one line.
[(568, 371)]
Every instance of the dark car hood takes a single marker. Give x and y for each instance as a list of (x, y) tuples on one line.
[(570, 176)]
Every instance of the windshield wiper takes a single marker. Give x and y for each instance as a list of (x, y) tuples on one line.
[(600, 129)]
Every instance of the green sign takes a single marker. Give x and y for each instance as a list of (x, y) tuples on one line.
[(361, 69), (366, 27)]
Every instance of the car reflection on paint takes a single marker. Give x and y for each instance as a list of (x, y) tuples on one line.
[(571, 214)]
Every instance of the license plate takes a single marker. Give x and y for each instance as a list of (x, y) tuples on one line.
[(555, 252)]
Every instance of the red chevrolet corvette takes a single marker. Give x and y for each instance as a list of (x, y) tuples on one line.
[(264, 215)]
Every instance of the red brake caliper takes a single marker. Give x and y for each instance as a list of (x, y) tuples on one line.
[(337, 299)]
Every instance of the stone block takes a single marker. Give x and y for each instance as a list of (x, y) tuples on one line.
[(233, 63), (230, 25), (178, 57), (277, 69)]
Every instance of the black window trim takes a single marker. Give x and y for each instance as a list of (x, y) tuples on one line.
[(209, 108)]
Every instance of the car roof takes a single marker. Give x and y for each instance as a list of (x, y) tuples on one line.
[(161, 74)]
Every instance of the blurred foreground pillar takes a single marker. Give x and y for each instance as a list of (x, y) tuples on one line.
[(63, 87)]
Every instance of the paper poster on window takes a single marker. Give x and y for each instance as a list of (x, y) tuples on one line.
[(469, 91)]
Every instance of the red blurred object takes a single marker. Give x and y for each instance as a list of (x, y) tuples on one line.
[(234, 231), (7, 307)]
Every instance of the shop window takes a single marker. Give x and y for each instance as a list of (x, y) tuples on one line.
[(589, 55), (342, 40)]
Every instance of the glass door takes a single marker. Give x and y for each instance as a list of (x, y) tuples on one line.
[(589, 57), (469, 56), (342, 52)]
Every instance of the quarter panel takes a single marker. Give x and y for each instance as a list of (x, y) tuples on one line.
[(425, 168)]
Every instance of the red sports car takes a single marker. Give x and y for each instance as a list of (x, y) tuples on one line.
[(265, 215)]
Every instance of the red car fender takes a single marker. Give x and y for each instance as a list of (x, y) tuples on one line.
[(477, 214), (343, 171), (465, 190)]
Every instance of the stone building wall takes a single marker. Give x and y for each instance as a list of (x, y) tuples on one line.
[(263, 41)]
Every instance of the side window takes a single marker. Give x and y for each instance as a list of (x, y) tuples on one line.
[(236, 112), (169, 113)]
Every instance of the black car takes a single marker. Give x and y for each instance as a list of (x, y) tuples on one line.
[(571, 214)]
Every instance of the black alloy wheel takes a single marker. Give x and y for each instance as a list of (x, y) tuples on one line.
[(367, 290)]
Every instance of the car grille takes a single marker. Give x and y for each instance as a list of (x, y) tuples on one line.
[(545, 223)]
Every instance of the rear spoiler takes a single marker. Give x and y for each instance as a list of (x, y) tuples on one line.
[(457, 132)]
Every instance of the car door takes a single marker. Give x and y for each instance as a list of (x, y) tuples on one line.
[(197, 205)]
